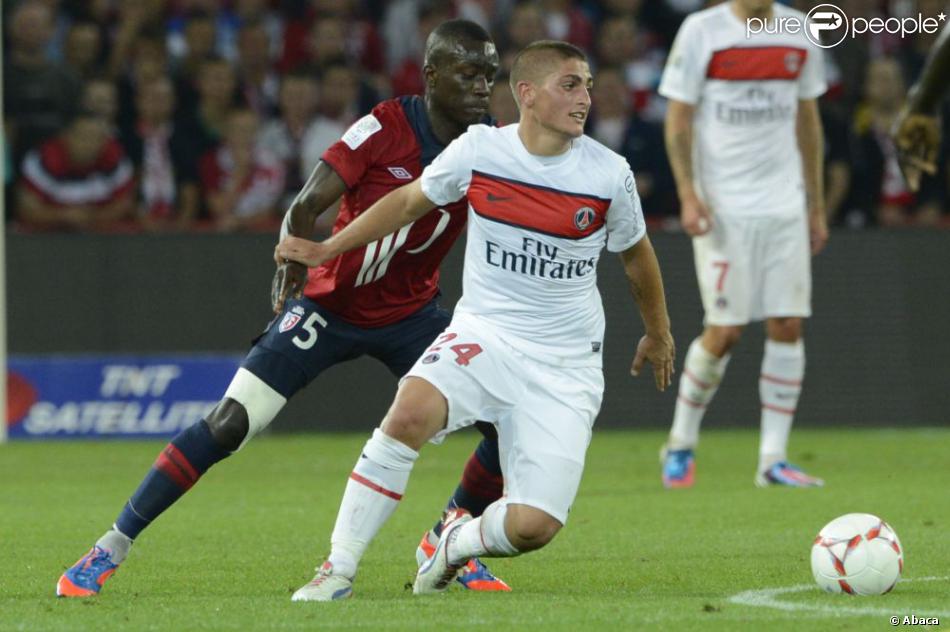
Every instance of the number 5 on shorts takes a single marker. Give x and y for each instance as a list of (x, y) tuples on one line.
[(311, 331)]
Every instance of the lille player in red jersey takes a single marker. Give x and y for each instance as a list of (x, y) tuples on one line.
[(379, 301)]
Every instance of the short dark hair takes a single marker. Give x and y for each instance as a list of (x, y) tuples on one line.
[(198, 15), (251, 24), (452, 31), (535, 60), (213, 58), (80, 113), (85, 23), (300, 73)]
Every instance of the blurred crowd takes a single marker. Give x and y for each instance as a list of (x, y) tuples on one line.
[(129, 115)]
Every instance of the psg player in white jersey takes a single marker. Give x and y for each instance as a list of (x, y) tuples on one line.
[(745, 141), (525, 344)]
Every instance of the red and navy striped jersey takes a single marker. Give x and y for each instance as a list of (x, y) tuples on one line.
[(393, 277)]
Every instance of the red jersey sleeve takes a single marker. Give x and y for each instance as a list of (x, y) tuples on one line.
[(365, 141)]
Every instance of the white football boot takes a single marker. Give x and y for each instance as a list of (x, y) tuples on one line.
[(436, 574), (325, 586)]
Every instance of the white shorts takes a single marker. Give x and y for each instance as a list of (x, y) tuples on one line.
[(544, 414), (753, 268)]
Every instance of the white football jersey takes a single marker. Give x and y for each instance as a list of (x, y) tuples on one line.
[(746, 92), (536, 227)]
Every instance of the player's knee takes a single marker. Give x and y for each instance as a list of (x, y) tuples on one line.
[(417, 414), (529, 528), (784, 329), (229, 424), (249, 405), (720, 340), (410, 426)]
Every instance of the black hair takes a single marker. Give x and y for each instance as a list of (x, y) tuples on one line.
[(452, 31)]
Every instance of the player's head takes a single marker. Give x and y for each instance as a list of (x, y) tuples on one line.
[(551, 83), (460, 66), (755, 7)]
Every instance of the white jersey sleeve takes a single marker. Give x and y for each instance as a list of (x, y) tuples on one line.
[(446, 179), (625, 225), (811, 82), (685, 69)]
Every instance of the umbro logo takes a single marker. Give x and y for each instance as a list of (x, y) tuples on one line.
[(497, 198), (400, 173)]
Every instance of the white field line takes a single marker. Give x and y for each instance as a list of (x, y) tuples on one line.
[(768, 598)]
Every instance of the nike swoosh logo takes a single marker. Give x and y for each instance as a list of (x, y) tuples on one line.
[(494, 198)]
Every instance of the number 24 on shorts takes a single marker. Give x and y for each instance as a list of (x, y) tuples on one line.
[(464, 352)]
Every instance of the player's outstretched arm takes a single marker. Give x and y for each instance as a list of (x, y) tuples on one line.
[(646, 285), (678, 134), (811, 145), (916, 131), (390, 213), (323, 188), (925, 95)]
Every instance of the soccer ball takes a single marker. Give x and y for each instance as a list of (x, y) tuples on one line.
[(857, 554)]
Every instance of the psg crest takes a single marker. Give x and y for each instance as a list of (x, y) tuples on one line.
[(793, 62), (290, 321), (583, 218)]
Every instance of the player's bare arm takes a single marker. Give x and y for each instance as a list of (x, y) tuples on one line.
[(646, 285), (917, 128), (678, 132), (390, 213), (323, 188), (811, 145)]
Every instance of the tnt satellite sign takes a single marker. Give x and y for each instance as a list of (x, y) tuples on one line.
[(90, 397)]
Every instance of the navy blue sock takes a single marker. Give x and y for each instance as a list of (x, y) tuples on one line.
[(482, 483), (178, 467)]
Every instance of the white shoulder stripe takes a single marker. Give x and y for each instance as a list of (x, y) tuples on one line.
[(95, 188)]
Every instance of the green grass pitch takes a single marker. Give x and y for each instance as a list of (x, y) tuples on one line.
[(632, 556)]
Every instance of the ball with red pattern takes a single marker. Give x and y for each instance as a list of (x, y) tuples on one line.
[(857, 554)]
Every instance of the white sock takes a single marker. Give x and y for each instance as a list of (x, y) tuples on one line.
[(484, 536), (117, 543), (702, 372), (783, 367), (373, 491)]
